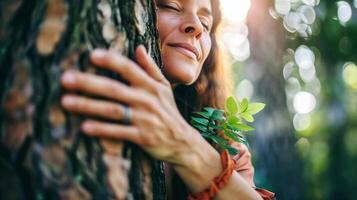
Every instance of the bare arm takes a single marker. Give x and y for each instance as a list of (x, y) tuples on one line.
[(203, 165), (150, 98)]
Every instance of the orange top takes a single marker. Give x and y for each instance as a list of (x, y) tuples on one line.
[(245, 168)]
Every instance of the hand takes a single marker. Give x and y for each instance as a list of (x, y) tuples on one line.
[(156, 124)]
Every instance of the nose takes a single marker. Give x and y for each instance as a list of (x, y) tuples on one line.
[(192, 25)]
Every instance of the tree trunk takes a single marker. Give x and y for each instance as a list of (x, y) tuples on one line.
[(43, 155), (278, 166)]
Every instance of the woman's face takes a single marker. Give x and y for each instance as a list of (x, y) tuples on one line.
[(184, 30)]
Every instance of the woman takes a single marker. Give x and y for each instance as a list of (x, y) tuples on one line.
[(190, 56)]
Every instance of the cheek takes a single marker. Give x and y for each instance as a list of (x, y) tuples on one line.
[(165, 25), (178, 69), (206, 45)]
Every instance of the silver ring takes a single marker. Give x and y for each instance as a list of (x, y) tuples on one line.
[(127, 115)]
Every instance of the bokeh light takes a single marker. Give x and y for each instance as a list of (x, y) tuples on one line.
[(307, 75), (308, 15), (234, 30), (283, 6), (245, 89), (304, 57), (304, 102), (314, 86), (297, 16), (293, 86), (301, 121), (319, 68), (288, 69), (350, 74), (344, 12), (235, 11), (303, 146), (235, 39), (310, 2)]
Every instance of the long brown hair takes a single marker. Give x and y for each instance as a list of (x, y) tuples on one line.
[(210, 90), (212, 86)]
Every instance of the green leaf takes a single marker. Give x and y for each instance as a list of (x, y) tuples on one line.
[(210, 132), (201, 121), (243, 127), (231, 150), (218, 127), (194, 123), (231, 105), (233, 136), (211, 123), (243, 105), (234, 129), (203, 114), (218, 139), (209, 110), (218, 115), (254, 108), (205, 135), (200, 127), (245, 142), (247, 117), (232, 120)]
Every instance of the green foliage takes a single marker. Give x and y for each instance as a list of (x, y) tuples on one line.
[(220, 126)]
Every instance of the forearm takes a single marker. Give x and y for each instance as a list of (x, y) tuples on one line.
[(202, 165), (237, 188)]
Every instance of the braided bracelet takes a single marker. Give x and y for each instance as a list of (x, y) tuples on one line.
[(218, 182)]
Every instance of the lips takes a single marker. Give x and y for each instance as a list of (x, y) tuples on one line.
[(187, 49)]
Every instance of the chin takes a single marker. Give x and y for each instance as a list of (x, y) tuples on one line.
[(178, 68), (181, 76)]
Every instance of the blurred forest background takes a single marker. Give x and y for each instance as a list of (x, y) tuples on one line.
[(299, 57)]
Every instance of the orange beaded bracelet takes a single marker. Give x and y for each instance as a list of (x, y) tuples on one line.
[(218, 182)]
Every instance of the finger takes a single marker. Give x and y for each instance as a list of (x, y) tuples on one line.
[(148, 64), (88, 106), (100, 86), (109, 130), (129, 70)]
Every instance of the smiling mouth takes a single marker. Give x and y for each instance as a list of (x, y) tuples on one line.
[(187, 50)]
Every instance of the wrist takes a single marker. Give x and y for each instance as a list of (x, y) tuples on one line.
[(200, 164)]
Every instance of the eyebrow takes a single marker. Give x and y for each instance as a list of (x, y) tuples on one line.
[(206, 11)]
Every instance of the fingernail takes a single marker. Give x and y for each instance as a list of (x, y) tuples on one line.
[(69, 77), (68, 100), (143, 47), (98, 53), (88, 127)]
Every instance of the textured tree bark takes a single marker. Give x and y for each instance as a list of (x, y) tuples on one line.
[(43, 155)]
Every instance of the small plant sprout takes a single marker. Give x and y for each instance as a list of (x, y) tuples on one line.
[(221, 126)]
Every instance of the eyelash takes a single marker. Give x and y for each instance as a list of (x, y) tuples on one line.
[(170, 7), (206, 27)]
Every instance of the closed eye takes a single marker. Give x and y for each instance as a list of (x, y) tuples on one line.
[(205, 25), (171, 7)]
